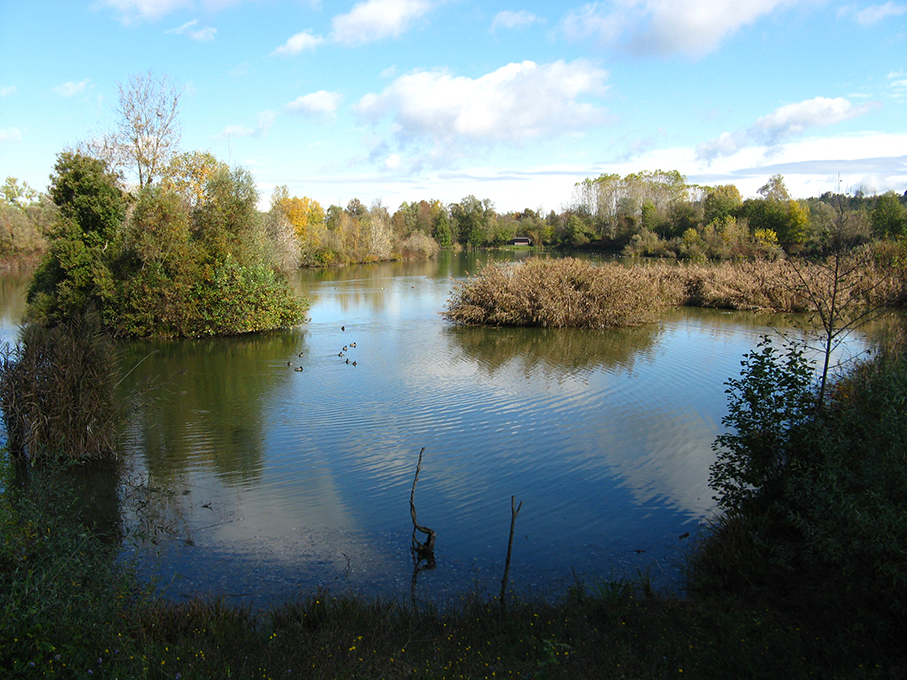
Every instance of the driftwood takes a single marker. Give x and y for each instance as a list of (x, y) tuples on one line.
[(424, 550), (514, 511)]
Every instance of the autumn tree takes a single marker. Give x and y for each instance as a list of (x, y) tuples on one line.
[(305, 214), (188, 174)]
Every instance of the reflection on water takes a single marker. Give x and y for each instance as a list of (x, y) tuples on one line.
[(246, 477)]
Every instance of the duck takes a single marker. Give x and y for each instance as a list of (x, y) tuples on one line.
[(299, 369)]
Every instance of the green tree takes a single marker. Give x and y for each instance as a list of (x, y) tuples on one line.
[(442, 231), (88, 194), (776, 211), (720, 202), (888, 217), (767, 403), (75, 273)]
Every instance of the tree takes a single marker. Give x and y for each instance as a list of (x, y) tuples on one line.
[(147, 133), (776, 211), (76, 273), (88, 194), (305, 214), (15, 195), (889, 218), (720, 202), (188, 173)]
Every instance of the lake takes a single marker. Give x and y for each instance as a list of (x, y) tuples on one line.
[(244, 477)]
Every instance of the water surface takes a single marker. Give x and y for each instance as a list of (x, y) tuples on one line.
[(243, 476)]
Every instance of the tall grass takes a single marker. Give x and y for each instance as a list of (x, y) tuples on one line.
[(58, 391)]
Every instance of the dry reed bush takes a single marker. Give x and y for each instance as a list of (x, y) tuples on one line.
[(765, 285), (556, 293), (575, 293), (58, 392)]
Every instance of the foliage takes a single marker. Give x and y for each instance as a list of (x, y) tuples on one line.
[(25, 218), (88, 194), (58, 392), (849, 502), (822, 499), (889, 216), (187, 260), (770, 400), (75, 272)]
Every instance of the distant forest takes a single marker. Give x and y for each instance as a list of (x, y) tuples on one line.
[(655, 214)]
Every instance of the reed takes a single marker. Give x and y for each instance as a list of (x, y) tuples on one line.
[(555, 293), (576, 293), (58, 391)]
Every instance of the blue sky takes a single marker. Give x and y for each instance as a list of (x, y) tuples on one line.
[(403, 100)]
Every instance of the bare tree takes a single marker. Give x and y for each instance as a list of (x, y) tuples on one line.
[(148, 133), (841, 289)]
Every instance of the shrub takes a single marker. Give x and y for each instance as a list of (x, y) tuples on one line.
[(768, 403)]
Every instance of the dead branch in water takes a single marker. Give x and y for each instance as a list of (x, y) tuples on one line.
[(514, 511), (424, 550)]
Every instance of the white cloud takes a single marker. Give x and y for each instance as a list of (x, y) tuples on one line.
[(508, 19), (794, 119), (265, 121), (8, 90), (665, 27), (322, 104), (10, 135), (71, 89), (783, 123), (876, 13), (203, 34), (374, 20), (515, 103), (299, 43)]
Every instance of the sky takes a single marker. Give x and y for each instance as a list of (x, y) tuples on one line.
[(516, 102)]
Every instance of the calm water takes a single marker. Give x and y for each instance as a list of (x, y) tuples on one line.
[(242, 476)]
